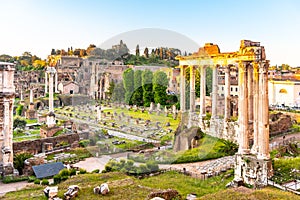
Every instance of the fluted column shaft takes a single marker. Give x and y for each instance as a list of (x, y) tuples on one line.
[(214, 104), (227, 94), (263, 124), (182, 88), (192, 89), (243, 109), (202, 91)]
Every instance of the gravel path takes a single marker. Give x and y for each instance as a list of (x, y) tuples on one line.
[(4, 188)]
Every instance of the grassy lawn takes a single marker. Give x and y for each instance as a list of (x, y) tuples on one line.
[(209, 148), (284, 167), (20, 139), (129, 188)]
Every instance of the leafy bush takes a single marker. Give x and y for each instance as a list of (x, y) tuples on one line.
[(19, 122), (12, 179), (57, 179), (96, 171), (84, 143), (31, 179), (82, 171), (37, 181), (64, 172), (45, 182), (19, 161)]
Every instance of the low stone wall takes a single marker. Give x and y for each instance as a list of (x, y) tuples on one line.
[(36, 146)]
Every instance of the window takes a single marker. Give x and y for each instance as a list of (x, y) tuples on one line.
[(231, 89), (236, 89)]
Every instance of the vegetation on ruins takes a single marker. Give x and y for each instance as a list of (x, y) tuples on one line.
[(19, 161), (123, 186)]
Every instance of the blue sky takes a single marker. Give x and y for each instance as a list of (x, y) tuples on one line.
[(40, 25)]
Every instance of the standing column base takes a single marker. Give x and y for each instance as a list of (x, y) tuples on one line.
[(252, 170)]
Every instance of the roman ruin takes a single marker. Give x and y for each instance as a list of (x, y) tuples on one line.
[(253, 164), (7, 95)]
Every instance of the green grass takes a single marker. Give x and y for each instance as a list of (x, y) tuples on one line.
[(129, 188), (20, 139), (209, 148), (267, 193), (31, 121), (283, 168)]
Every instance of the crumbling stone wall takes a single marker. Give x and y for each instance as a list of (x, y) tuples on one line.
[(279, 123), (36, 146)]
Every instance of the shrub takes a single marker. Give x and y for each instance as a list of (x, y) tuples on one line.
[(72, 172), (82, 171), (84, 143), (37, 181), (96, 171), (31, 179), (57, 179), (152, 166), (64, 172), (19, 161), (45, 182), (12, 179)]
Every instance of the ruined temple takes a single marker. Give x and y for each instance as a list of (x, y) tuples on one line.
[(7, 95), (253, 163)]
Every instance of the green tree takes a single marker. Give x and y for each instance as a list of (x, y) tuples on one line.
[(128, 81), (118, 94), (110, 90), (208, 81), (160, 84), (19, 123), (137, 96), (147, 77), (19, 161)]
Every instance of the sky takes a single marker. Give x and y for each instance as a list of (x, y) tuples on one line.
[(38, 26)]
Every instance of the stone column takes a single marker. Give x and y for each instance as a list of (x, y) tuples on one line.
[(254, 148), (243, 109), (202, 92), (21, 95), (46, 83), (56, 83), (30, 96), (182, 88), (99, 117), (214, 104), (51, 74), (192, 89), (263, 108), (227, 94)]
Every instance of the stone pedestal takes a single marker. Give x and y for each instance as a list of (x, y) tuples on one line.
[(253, 171)]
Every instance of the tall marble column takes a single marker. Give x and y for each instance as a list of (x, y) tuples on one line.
[(214, 104), (263, 107), (192, 89), (227, 94), (30, 96), (56, 83), (254, 148), (202, 92), (243, 109), (250, 95), (51, 92), (46, 83), (182, 88)]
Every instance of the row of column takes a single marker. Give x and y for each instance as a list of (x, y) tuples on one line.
[(202, 90), (253, 108), (253, 113), (47, 77)]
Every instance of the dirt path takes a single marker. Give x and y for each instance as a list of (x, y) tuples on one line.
[(279, 139)]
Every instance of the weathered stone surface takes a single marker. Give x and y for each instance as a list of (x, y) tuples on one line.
[(165, 194), (279, 123), (36, 146)]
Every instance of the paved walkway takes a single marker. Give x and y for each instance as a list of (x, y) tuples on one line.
[(4, 188)]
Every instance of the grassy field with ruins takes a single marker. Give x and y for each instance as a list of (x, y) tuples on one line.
[(129, 188)]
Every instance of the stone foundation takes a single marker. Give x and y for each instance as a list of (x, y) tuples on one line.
[(49, 132), (253, 171)]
